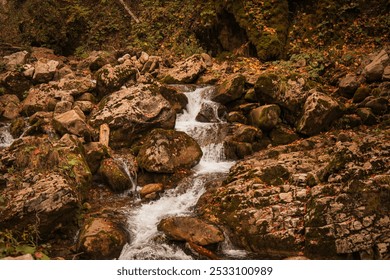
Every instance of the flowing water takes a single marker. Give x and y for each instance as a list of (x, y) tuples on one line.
[(146, 241), (6, 138)]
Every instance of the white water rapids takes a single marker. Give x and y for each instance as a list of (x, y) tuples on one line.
[(6, 138), (142, 221)]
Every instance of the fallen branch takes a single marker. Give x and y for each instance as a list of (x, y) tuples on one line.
[(129, 11), (203, 251)]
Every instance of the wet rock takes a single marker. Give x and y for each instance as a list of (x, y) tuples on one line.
[(72, 122), (132, 112), (177, 99), (101, 239), (95, 152), (232, 88), (319, 111), (185, 72), (348, 85), (114, 173), (44, 71), (111, 78), (166, 151), (265, 117), (191, 229), (282, 135), (375, 69), (211, 112), (10, 106), (361, 94), (49, 202), (151, 191)]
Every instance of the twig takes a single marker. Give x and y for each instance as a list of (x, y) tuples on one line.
[(129, 11)]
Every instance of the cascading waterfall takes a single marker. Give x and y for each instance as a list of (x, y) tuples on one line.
[(6, 138), (142, 221)]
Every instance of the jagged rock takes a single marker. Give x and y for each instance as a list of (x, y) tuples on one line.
[(265, 117), (9, 106), (96, 60), (16, 83), (132, 112), (348, 85), (114, 173), (62, 107), (15, 59), (321, 197), (72, 122), (101, 239), (50, 202), (211, 112), (85, 106), (166, 151), (77, 85), (40, 98), (111, 78), (230, 89), (45, 70), (191, 229), (95, 152), (246, 133), (375, 69), (144, 57), (178, 100), (185, 72), (151, 191), (319, 111), (282, 135)]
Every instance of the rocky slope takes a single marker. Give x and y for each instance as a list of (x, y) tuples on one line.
[(310, 132)]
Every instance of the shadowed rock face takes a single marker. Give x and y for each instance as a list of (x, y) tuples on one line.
[(131, 112), (321, 197), (166, 151)]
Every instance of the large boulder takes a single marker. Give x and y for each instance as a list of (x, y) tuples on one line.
[(319, 112), (375, 69), (15, 59), (265, 117), (111, 78), (166, 151), (9, 106), (132, 112), (72, 122), (45, 70), (185, 72), (191, 229), (16, 83), (232, 88), (324, 198), (49, 202), (177, 99), (101, 239)]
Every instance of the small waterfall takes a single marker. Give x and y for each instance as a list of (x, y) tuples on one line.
[(6, 138), (146, 241), (133, 177)]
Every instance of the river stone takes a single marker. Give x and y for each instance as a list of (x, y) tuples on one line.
[(178, 100), (132, 112), (265, 117), (191, 229), (319, 111), (232, 88), (211, 112), (151, 191), (185, 72), (166, 151), (114, 173), (101, 239)]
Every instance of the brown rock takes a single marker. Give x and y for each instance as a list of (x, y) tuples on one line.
[(265, 117), (191, 229), (186, 72), (114, 173), (101, 239), (165, 151), (151, 189), (95, 152), (45, 70), (230, 89), (71, 122)]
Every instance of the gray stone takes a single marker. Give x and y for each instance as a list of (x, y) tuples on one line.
[(45, 70)]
